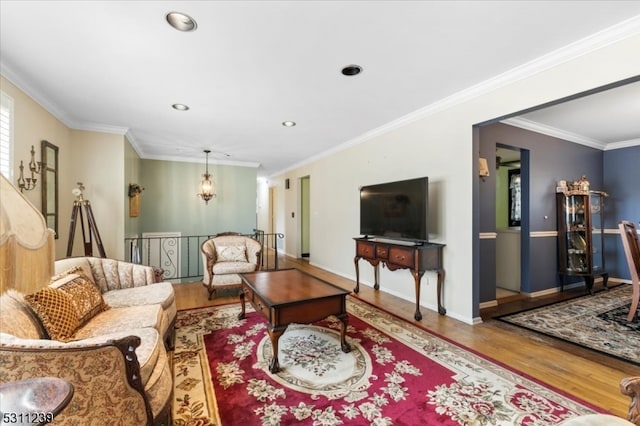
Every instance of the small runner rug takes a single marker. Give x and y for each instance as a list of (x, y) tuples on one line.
[(598, 322), (395, 374)]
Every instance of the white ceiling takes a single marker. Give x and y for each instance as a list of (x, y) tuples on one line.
[(118, 66)]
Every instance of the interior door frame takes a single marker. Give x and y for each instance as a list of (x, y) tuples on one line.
[(305, 216)]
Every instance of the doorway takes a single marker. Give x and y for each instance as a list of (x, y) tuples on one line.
[(305, 216), (508, 222)]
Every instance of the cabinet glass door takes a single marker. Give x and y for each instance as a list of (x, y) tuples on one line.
[(576, 226), (597, 233)]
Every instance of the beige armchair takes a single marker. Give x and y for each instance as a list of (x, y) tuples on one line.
[(226, 255)]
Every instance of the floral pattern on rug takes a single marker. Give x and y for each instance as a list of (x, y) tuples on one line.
[(596, 322), (417, 377)]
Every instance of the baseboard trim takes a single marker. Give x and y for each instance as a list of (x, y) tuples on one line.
[(489, 304)]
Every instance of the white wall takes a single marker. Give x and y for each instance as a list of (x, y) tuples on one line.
[(97, 160), (262, 205), (438, 145)]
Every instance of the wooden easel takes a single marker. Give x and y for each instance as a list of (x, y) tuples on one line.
[(91, 225)]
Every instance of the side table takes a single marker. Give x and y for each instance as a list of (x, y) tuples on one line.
[(34, 401)]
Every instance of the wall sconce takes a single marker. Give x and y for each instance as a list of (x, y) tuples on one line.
[(27, 184), (207, 186), (483, 167)]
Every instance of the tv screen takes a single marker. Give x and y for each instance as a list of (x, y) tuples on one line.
[(395, 210)]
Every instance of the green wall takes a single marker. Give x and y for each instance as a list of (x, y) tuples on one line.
[(502, 197), (169, 202)]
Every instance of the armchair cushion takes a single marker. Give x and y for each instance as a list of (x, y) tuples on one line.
[(220, 268), (231, 253)]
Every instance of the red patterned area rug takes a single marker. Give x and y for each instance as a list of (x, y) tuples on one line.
[(395, 374)]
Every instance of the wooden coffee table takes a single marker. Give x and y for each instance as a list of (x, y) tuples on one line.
[(291, 296)]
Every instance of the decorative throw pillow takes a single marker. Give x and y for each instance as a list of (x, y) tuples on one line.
[(231, 253), (65, 273), (85, 296), (56, 311)]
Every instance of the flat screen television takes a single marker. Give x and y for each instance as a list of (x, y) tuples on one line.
[(396, 210)]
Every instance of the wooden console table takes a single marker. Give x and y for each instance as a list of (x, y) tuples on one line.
[(396, 255)]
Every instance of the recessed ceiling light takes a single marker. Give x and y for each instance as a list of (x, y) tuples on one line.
[(288, 123), (180, 107), (351, 70), (181, 21)]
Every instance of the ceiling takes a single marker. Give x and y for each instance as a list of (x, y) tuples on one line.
[(117, 66)]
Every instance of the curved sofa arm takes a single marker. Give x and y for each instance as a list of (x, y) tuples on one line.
[(105, 377), (630, 386), (254, 252), (209, 257)]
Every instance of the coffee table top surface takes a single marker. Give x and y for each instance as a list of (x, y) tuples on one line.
[(288, 286)]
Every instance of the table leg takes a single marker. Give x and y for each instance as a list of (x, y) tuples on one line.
[(355, 261), (588, 280), (417, 276), (441, 309), (344, 321), (241, 315), (274, 335), (376, 274)]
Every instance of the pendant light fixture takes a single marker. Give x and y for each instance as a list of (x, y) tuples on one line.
[(207, 187)]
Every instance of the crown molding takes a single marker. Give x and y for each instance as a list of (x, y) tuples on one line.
[(103, 128), (534, 126), (42, 100), (622, 144), (251, 164), (53, 109), (613, 34)]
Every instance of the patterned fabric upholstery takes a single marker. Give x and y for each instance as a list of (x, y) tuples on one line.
[(85, 295), (162, 294), (86, 354), (109, 274), (113, 276), (56, 311), (101, 392), (229, 254), (233, 267), (123, 319), (18, 318)]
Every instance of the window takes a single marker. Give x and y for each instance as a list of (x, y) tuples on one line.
[(6, 135)]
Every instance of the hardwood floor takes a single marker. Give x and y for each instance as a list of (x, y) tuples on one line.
[(586, 374)]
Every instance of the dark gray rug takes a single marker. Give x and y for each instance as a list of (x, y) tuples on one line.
[(596, 322)]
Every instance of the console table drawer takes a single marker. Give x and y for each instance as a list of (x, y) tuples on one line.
[(366, 250), (401, 256), (260, 306), (382, 252)]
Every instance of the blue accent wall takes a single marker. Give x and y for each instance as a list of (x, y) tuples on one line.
[(622, 177), (550, 160)]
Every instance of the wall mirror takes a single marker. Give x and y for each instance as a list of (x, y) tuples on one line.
[(49, 172)]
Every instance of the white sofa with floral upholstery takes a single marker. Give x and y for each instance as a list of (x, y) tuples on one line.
[(104, 326)]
